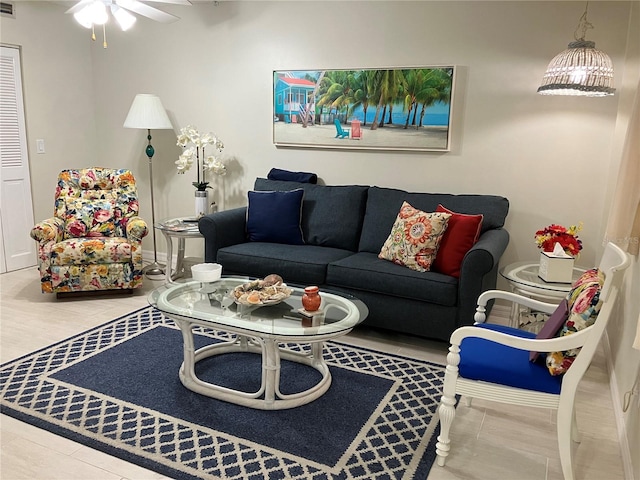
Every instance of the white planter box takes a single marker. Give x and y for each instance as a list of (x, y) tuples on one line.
[(555, 269)]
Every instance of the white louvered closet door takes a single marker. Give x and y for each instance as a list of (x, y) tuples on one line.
[(17, 249)]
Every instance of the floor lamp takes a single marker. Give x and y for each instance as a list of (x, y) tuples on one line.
[(147, 112)]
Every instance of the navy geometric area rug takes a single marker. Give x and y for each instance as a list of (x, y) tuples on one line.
[(115, 388)]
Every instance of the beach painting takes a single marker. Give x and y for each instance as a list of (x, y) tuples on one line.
[(381, 109)]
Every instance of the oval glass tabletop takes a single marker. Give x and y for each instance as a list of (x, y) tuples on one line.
[(214, 302)]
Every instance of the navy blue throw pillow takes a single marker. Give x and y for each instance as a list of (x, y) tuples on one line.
[(274, 217), (287, 176)]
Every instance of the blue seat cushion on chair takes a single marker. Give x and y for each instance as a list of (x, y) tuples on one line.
[(492, 362)]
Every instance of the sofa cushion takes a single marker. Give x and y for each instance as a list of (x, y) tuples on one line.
[(462, 233), (331, 215), (383, 205), (365, 271), (275, 217), (414, 238), (296, 264)]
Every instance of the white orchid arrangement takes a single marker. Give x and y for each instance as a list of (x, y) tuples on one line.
[(194, 145)]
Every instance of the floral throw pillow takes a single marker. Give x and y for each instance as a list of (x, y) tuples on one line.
[(89, 218), (584, 305), (415, 238)]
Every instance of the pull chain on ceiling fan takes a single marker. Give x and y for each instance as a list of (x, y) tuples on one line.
[(90, 13)]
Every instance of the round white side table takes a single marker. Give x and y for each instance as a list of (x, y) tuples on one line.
[(180, 228), (523, 279)]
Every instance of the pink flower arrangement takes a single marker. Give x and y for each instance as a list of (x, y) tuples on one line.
[(547, 238)]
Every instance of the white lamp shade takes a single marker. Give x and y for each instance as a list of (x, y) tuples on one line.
[(147, 112)]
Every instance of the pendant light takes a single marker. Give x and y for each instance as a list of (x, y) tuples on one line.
[(581, 69)]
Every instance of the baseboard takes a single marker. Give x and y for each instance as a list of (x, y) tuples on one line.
[(625, 450), (148, 257)]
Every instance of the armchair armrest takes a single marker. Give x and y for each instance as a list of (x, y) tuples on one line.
[(222, 229), (558, 344), (137, 229), (49, 230), (485, 297)]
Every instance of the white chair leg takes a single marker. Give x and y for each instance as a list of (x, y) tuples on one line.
[(575, 433), (447, 413), (447, 408), (565, 426), (468, 400)]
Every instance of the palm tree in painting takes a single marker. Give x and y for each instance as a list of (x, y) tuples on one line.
[(311, 100), (437, 89), (396, 96), (365, 91), (336, 89), (387, 83), (414, 84), (425, 87)]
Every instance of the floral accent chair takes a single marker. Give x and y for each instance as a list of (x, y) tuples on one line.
[(94, 239)]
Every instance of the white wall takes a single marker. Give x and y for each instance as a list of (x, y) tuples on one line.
[(549, 155), (58, 94)]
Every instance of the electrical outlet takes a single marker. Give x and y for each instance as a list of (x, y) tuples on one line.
[(40, 145)]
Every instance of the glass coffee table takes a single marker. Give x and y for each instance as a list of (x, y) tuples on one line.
[(258, 329)]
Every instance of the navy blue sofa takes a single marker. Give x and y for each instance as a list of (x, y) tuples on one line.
[(344, 228)]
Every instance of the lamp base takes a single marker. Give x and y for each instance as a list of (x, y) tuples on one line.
[(154, 270)]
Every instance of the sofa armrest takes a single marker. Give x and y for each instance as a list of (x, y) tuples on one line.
[(49, 230), (222, 229), (479, 272), (137, 229)]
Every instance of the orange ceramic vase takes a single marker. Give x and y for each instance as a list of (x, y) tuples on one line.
[(311, 299)]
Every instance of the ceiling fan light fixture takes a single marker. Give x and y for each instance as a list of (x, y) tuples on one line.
[(99, 14), (94, 13), (84, 17), (125, 19), (90, 13)]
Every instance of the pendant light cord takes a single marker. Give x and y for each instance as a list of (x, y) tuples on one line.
[(583, 25)]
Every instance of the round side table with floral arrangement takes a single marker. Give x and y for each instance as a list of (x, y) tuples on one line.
[(559, 247), (551, 278), (523, 279)]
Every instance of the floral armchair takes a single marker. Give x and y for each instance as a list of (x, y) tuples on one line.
[(94, 239)]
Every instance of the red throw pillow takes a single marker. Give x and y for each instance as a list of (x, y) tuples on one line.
[(461, 234), (552, 326)]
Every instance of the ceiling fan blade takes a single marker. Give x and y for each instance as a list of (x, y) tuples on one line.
[(147, 11), (78, 6)]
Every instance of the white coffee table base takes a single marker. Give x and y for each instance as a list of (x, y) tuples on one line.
[(268, 397)]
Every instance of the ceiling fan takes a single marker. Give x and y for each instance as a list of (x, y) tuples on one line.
[(90, 13)]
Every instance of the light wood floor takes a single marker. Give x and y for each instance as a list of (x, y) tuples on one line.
[(489, 440)]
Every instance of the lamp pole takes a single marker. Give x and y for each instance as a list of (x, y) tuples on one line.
[(147, 113), (154, 269)]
